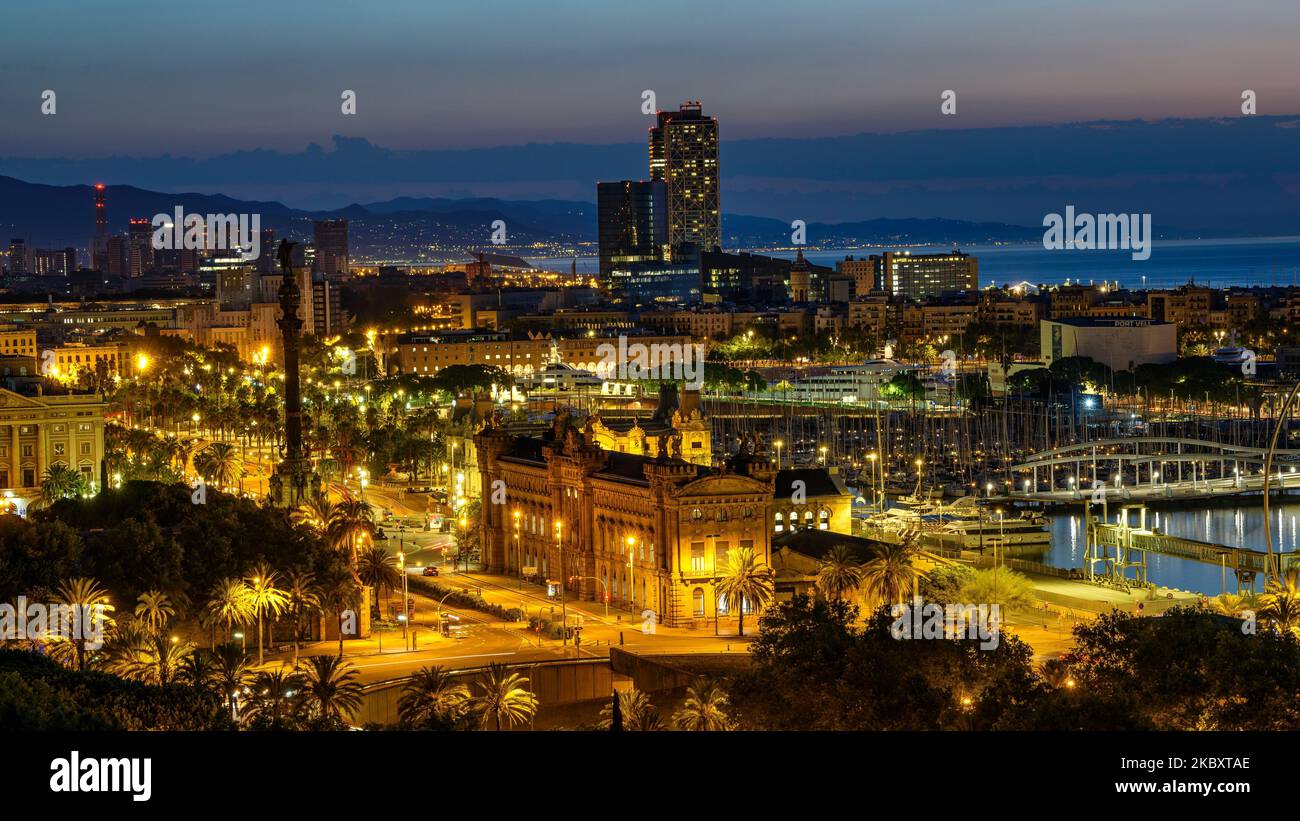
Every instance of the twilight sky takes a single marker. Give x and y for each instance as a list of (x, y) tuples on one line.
[(194, 79)]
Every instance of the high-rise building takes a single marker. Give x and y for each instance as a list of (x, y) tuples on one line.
[(684, 154), (328, 317), (331, 244), (633, 222), (923, 275), (19, 261), (99, 242), (117, 256), (53, 262), (266, 263), (140, 242)]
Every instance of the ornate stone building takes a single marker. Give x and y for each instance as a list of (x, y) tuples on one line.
[(44, 424), (682, 421), (649, 532)]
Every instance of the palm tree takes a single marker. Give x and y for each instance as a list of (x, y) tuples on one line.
[(154, 608), (231, 672), (302, 595), (265, 598), (93, 613), (61, 482), (314, 515), (632, 704), (229, 604), (746, 581), (1280, 602), (329, 687), (275, 696), (502, 694), (1001, 586), (1056, 673), (220, 462), (891, 574), (351, 523), (1230, 604), (377, 569), (163, 659), (140, 653), (704, 708), (839, 573), (432, 694), (339, 598)]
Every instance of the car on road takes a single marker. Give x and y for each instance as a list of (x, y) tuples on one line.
[(430, 571)]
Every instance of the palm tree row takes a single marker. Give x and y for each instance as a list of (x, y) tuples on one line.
[(264, 595), (432, 698)]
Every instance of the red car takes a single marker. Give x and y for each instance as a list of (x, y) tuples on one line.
[(430, 571)]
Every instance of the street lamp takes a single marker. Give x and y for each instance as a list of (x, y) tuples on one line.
[(401, 562), (564, 582), (875, 489), (631, 548), (779, 444), (519, 559)]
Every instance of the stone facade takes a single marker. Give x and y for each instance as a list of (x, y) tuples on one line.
[(649, 532)]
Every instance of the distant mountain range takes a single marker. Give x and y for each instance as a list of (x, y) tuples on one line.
[(433, 229), (1208, 177)]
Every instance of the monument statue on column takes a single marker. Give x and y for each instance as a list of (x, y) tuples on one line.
[(294, 482)]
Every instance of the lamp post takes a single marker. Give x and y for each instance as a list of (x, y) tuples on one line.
[(564, 582), (871, 457), (455, 561), (631, 548), (519, 559), (406, 610)]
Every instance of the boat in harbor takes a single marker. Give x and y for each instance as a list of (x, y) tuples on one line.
[(964, 524)]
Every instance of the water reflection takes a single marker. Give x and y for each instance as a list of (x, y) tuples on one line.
[(1232, 526)]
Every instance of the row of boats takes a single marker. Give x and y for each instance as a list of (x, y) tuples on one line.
[(963, 524)]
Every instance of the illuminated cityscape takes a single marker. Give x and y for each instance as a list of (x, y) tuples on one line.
[(712, 394)]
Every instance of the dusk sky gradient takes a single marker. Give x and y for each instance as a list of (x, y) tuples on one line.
[(194, 79)]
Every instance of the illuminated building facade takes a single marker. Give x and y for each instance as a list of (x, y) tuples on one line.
[(632, 222), (922, 275), (331, 246), (684, 154), (43, 425), (647, 532)]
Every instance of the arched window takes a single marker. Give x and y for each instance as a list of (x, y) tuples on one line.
[(807, 518), (697, 514), (823, 519), (780, 522), (697, 602), (723, 608)]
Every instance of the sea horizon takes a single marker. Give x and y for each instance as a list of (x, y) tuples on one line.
[(1214, 262)]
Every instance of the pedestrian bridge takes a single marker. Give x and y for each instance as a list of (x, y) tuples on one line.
[(1149, 468), (1114, 549)]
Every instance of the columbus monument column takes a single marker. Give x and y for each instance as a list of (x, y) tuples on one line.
[(294, 483)]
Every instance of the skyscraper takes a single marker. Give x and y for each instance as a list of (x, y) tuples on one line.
[(633, 222), (684, 154), (140, 240), (331, 244), (99, 241)]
